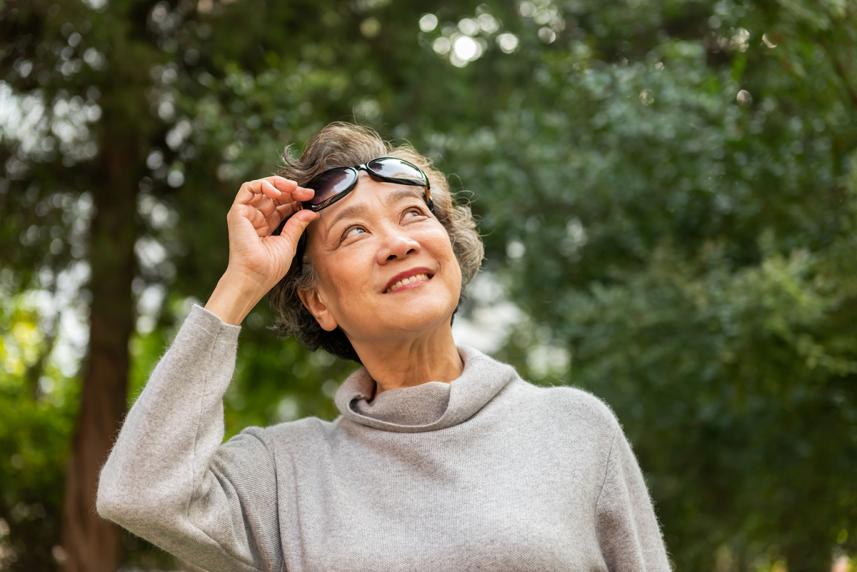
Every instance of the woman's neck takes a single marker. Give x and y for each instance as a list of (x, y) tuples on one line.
[(396, 364)]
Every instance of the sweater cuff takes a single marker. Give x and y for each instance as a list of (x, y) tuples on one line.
[(211, 323)]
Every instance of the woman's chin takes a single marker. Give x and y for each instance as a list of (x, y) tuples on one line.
[(415, 318)]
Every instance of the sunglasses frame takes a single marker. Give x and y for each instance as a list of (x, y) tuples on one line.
[(355, 173)]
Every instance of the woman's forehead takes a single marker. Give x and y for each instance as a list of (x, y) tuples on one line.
[(368, 195)]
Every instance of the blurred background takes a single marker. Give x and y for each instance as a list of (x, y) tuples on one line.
[(667, 190)]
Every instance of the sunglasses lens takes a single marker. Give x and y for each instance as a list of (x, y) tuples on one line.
[(397, 169), (331, 183)]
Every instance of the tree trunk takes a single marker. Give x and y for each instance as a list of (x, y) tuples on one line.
[(90, 543)]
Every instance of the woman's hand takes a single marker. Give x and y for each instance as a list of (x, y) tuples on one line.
[(259, 207), (257, 259)]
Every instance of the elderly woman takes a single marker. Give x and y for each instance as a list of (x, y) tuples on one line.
[(442, 458)]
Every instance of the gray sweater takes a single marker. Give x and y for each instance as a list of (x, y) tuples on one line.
[(488, 472)]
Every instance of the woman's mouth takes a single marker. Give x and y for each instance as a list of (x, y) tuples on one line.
[(406, 283)]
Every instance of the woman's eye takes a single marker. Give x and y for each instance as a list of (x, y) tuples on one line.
[(352, 231), (411, 211)]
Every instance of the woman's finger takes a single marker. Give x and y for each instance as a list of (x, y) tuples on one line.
[(245, 217), (283, 184), (264, 204), (271, 191), (278, 189), (282, 214), (296, 224), (247, 192), (288, 209), (290, 188), (251, 190), (272, 220), (271, 211), (256, 218)]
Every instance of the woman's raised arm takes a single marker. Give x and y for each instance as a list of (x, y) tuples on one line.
[(169, 478)]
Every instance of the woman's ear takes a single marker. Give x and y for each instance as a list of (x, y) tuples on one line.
[(315, 305)]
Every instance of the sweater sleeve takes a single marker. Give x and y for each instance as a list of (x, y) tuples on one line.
[(171, 480), (628, 530)]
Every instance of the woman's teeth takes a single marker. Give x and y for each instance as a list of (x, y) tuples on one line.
[(406, 281)]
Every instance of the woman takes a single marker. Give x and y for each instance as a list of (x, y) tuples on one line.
[(442, 458)]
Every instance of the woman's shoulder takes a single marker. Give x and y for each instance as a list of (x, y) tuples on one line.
[(570, 402), (299, 432), (561, 403)]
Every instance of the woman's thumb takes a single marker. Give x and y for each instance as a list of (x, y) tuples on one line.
[(297, 224)]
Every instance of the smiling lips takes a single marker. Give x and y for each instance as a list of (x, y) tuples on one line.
[(409, 279)]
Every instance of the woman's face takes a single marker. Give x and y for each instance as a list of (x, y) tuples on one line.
[(362, 245)]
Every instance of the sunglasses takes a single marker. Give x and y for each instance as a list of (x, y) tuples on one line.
[(335, 184)]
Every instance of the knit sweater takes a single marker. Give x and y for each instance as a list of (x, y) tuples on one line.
[(488, 472)]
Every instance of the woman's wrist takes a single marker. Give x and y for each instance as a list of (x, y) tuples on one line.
[(233, 298)]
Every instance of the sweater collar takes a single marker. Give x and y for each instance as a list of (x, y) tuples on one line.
[(429, 406)]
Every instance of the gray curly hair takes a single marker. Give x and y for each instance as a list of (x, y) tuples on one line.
[(344, 144)]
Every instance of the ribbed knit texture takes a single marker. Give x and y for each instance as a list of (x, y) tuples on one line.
[(488, 472)]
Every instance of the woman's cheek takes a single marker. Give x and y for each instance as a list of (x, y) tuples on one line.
[(438, 236)]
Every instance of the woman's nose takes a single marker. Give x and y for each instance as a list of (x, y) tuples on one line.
[(396, 244)]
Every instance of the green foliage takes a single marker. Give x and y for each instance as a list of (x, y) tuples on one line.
[(34, 436)]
